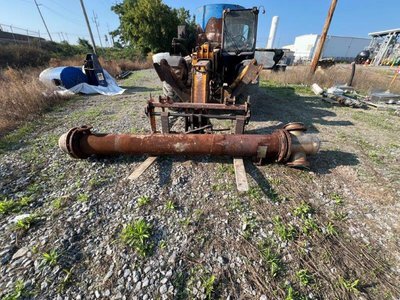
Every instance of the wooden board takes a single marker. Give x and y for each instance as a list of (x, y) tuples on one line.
[(142, 168), (240, 175)]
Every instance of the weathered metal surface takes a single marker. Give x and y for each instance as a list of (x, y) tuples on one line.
[(166, 74), (197, 115), (169, 103), (201, 85), (282, 145)]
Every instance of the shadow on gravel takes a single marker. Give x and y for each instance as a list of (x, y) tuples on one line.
[(165, 170), (282, 104), (257, 175), (326, 160), (140, 89)]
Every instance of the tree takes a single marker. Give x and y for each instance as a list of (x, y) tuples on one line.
[(149, 25), (85, 45)]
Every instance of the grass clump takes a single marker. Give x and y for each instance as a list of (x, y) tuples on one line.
[(349, 285), (255, 193), (286, 233), (309, 225), (143, 200), (271, 259), (336, 198), (305, 277), (19, 292), (11, 206), (303, 210), (50, 258), (208, 285), (249, 226), (83, 197), (331, 229), (137, 235), (170, 205), (26, 223)]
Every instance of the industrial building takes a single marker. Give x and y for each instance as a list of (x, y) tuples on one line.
[(385, 47), (340, 48)]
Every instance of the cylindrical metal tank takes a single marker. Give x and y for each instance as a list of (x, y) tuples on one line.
[(272, 32), (67, 77), (206, 12)]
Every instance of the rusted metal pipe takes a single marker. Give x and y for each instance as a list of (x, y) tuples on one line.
[(288, 145)]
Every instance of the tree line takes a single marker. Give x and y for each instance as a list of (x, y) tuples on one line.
[(150, 25)]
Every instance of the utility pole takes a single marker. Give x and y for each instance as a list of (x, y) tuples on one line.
[(111, 37), (48, 32), (97, 27), (88, 25), (322, 39)]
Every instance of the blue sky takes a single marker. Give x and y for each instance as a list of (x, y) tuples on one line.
[(352, 17)]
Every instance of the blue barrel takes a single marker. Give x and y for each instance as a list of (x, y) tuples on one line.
[(206, 12), (67, 77)]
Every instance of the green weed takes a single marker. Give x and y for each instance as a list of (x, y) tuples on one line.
[(223, 169), (83, 197), (26, 223), (170, 205), (218, 187), (249, 225), (340, 216), (163, 244), (275, 181), (255, 193), (11, 206), (50, 258), (11, 140), (57, 203), (143, 200), (286, 233), (349, 285), (19, 292), (208, 285), (336, 198), (96, 182), (185, 221), (34, 188), (331, 229), (271, 259), (66, 281), (303, 210), (304, 277), (137, 236), (291, 294), (236, 205), (309, 225)]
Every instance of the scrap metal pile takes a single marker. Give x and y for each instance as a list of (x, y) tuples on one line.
[(211, 82)]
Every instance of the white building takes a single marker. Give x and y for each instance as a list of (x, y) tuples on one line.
[(337, 47)]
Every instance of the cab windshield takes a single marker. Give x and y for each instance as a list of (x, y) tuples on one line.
[(239, 31)]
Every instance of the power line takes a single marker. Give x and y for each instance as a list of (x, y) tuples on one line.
[(72, 20), (45, 25), (97, 26)]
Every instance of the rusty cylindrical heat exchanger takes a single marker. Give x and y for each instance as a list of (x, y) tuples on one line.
[(289, 145)]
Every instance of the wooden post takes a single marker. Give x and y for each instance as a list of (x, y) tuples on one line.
[(322, 39)]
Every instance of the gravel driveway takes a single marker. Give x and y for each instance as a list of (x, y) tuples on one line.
[(329, 232)]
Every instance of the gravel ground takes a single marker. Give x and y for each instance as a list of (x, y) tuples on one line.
[(330, 232)]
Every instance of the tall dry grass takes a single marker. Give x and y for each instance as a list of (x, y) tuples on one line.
[(22, 96), (113, 67), (367, 79)]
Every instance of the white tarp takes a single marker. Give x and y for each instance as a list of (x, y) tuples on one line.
[(111, 89)]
